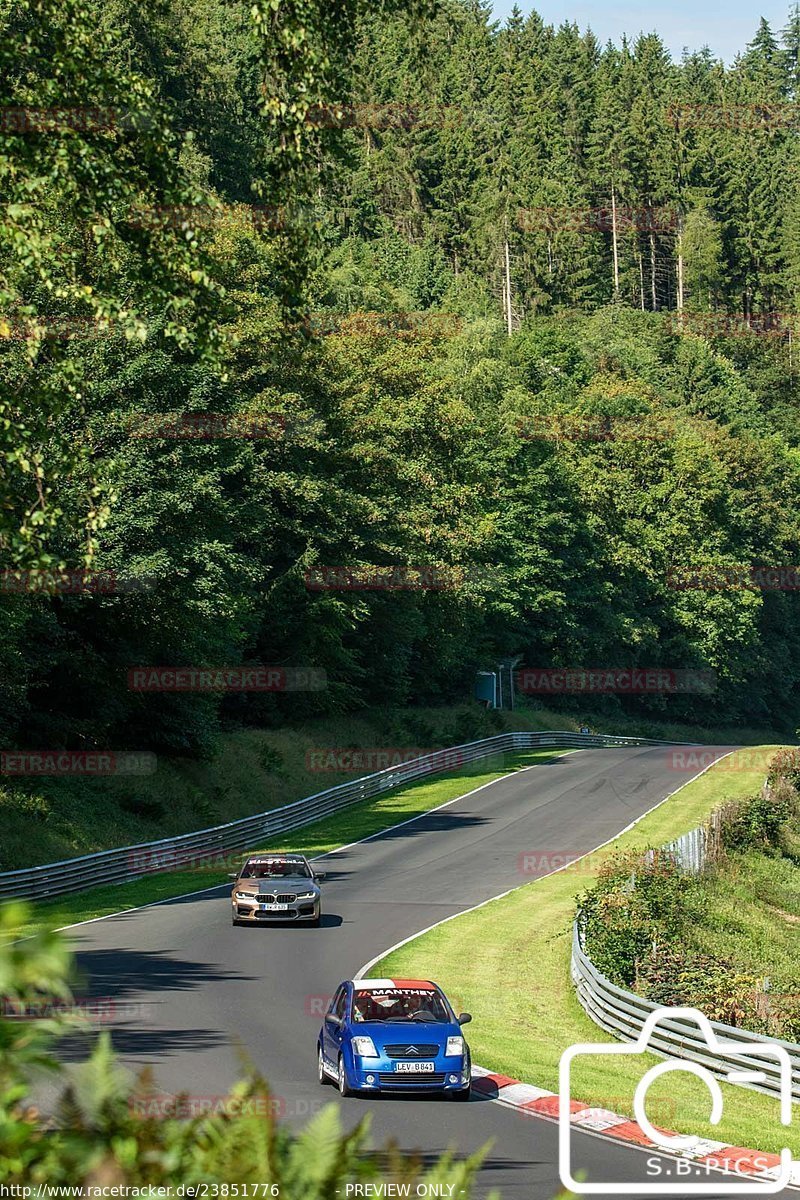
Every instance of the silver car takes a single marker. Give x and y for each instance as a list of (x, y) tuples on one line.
[(276, 887)]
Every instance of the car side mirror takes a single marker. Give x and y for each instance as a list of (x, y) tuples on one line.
[(464, 1018), (333, 1017), (319, 874), (232, 875)]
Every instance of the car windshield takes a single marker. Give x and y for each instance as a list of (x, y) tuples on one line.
[(276, 868), (400, 1004)]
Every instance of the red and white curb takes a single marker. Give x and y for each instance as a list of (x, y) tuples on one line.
[(537, 1101)]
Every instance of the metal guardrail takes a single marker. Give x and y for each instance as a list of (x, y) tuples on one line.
[(207, 845), (623, 1013), (689, 851)]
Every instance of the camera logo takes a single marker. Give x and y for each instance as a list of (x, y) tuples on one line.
[(747, 1064)]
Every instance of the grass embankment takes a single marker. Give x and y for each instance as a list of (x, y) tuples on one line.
[(351, 825), (47, 819), (508, 964), (751, 913)]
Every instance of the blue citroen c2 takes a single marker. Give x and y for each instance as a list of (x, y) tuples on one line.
[(393, 1035)]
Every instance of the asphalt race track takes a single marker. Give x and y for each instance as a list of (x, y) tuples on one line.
[(193, 994)]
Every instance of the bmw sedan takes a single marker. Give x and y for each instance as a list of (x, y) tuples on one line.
[(393, 1035), (276, 887)]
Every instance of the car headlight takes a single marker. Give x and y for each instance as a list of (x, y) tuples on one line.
[(455, 1045), (243, 896), (364, 1047), (306, 896)]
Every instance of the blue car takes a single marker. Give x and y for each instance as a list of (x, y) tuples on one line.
[(393, 1035)]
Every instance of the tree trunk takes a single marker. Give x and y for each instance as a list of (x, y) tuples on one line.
[(653, 271), (680, 269), (614, 245), (641, 280), (508, 288)]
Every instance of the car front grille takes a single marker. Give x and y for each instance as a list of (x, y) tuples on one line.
[(412, 1050), (287, 898), (392, 1077)]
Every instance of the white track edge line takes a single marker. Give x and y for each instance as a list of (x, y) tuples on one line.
[(363, 971), (215, 886), (650, 1150)]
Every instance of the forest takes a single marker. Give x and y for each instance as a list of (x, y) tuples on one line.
[(373, 345)]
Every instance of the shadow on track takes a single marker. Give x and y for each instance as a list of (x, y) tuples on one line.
[(327, 921), (142, 1044), (124, 972)]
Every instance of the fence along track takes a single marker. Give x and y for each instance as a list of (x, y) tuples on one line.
[(623, 1014), (148, 858)]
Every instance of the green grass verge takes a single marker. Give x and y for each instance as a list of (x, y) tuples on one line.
[(250, 771), (753, 906), (350, 825), (508, 964), (45, 820)]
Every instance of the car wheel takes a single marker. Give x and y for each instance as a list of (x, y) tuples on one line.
[(321, 1075), (344, 1086), (315, 924), (235, 921)]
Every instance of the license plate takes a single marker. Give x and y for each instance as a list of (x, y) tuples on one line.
[(414, 1068), (273, 907)]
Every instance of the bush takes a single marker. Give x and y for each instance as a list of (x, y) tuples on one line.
[(639, 918), (785, 765), (473, 723), (270, 760), (675, 975), (639, 898), (141, 806), (759, 820)]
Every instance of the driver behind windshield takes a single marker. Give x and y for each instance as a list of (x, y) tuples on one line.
[(398, 1006), (275, 870)]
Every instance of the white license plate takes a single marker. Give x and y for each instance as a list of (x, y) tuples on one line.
[(273, 907), (414, 1068)]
